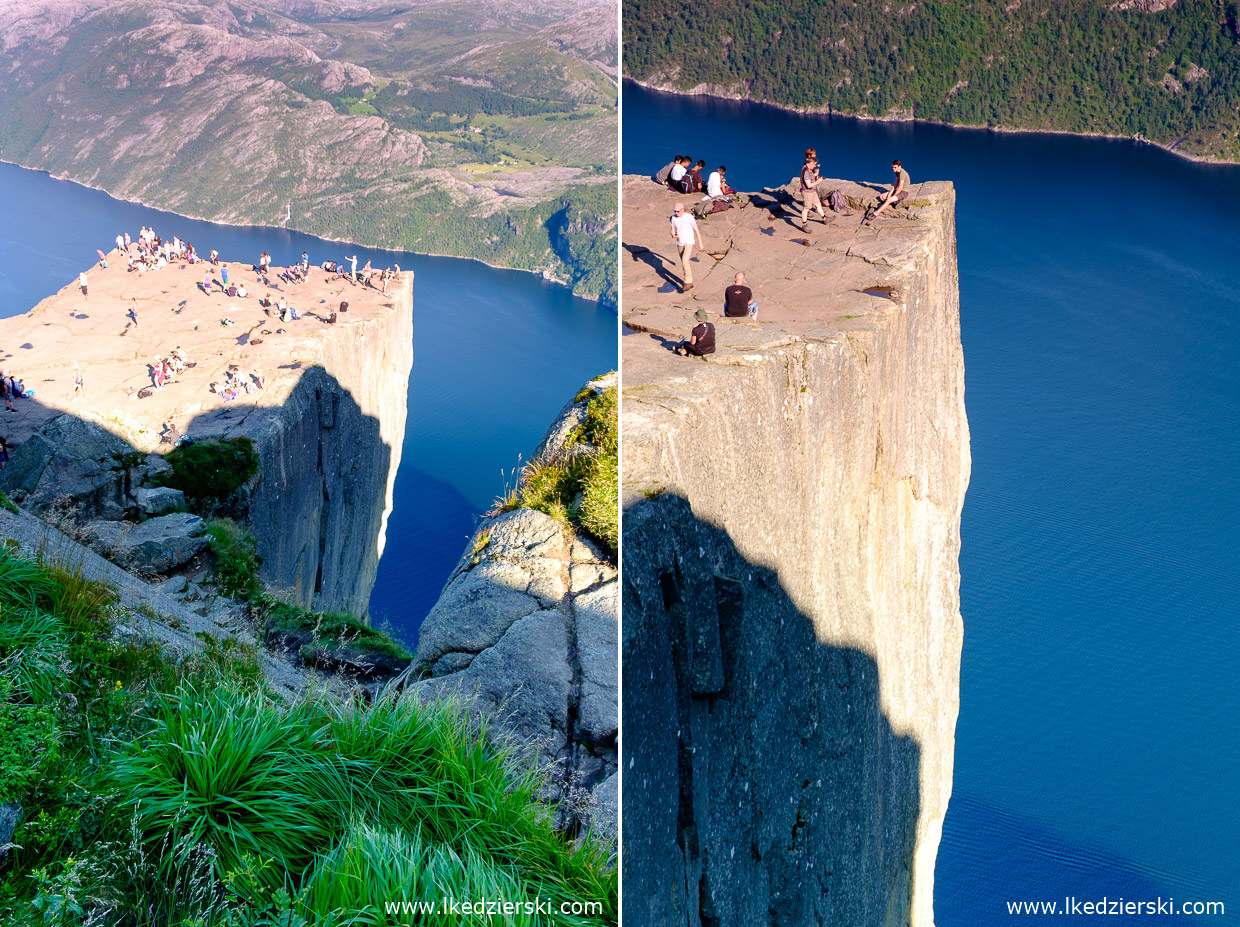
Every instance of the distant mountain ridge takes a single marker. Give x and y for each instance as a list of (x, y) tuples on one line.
[(1164, 70), (446, 127)]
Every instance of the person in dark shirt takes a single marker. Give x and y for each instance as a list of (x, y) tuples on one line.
[(738, 299), (893, 197), (701, 339), (694, 175)]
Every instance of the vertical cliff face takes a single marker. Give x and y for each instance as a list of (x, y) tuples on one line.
[(328, 461), (791, 641)]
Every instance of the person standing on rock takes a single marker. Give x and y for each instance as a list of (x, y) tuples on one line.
[(809, 189), (686, 234), (701, 340), (6, 394), (353, 267), (893, 197), (82, 282), (79, 386)]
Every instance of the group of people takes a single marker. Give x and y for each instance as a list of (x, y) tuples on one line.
[(681, 175), (738, 299), (11, 388), (165, 369), (235, 384)]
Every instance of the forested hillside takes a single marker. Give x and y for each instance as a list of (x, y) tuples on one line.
[(1166, 70), (446, 128)]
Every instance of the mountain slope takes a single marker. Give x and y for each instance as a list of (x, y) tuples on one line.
[(1166, 70), (441, 127)]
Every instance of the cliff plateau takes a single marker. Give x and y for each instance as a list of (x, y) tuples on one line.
[(792, 635), (327, 423)]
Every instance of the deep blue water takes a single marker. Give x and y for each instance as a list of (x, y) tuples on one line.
[(496, 355), (1097, 751)]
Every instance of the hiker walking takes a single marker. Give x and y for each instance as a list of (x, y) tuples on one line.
[(686, 234)]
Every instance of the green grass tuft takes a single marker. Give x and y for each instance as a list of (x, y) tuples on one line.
[(208, 472), (579, 489)]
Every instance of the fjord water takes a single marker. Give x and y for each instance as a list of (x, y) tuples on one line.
[(1096, 750), (497, 353)]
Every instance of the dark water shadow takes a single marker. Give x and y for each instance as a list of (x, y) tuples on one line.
[(1007, 858), (762, 784)]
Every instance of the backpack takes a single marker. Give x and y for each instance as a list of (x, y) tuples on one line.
[(838, 202)]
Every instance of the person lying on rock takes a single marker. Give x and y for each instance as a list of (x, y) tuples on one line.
[(738, 299), (892, 197), (701, 340)]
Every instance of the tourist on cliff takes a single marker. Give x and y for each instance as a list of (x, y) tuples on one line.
[(701, 340), (893, 197), (694, 176), (79, 385), (809, 189), (224, 276), (353, 267), (662, 174), (128, 242), (120, 242), (82, 283), (6, 394), (133, 311), (738, 299), (686, 234), (717, 184), (675, 179)]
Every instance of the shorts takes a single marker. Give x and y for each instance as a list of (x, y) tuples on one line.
[(810, 198)]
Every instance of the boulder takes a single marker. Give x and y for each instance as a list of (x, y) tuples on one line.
[(158, 500), (155, 546), (10, 817), (75, 460)]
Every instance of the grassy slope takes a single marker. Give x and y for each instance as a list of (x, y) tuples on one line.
[(164, 792), (1068, 65), (114, 102)]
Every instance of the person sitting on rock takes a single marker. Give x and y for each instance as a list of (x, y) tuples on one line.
[(717, 184), (694, 176), (893, 197), (701, 340), (675, 180), (241, 291), (662, 174), (738, 299)]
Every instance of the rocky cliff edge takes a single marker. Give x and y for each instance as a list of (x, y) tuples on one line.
[(792, 634)]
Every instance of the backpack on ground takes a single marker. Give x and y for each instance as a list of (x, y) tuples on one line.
[(838, 202)]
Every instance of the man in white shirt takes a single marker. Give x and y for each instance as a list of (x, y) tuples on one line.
[(686, 234), (716, 186), (678, 172)]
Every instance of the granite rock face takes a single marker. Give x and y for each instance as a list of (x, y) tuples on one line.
[(154, 546), (792, 634), (527, 627)]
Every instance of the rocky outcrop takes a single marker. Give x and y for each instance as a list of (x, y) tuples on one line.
[(154, 546), (792, 634), (328, 423), (527, 627)]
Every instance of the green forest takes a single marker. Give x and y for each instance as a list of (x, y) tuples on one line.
[(1170, 75)]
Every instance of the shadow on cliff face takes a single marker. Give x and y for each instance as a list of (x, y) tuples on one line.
[(762, 784), (315, 508)]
